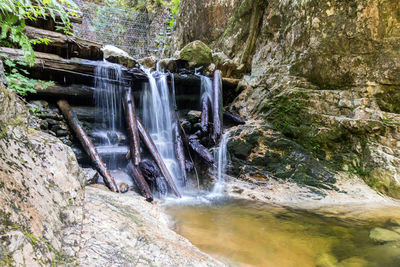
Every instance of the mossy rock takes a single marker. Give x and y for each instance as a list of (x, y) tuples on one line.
[(198, 53)]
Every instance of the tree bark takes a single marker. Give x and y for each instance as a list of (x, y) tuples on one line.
[(200, 150), (132, 126), (87, 145), (179, 150), (140, 182), (146, 138), (72, 46), (217, 106), (205, 107)]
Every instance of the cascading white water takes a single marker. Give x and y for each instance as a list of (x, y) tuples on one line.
[(221, 156), (108, 101), (206, 89), (157, 108), (108, 94)]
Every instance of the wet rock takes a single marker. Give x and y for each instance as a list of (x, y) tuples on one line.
[(91, 176), (197, 53), (353, 262), (186, 125), (381, 235), (119, 56), (168, 64), (326, 260), (148, 62), (194, 116), (62, 133), (123, 188)]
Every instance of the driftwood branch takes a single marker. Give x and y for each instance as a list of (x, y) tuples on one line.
[(217, 106), (179, 150), (140, 182), (74, 46), (87, 145), (205, 107), (146, 138), (200, 150), (152, 173), (132, 126)]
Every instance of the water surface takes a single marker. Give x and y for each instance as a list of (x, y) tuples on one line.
[(244, 233)]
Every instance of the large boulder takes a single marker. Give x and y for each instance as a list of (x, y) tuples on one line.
[(381, 235), (115, 55), (197, 53)]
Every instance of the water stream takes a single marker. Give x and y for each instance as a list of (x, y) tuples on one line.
[(156, 108), (244, 233)]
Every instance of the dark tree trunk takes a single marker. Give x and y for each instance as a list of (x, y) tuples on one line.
[(132, 126), (217, 106), (146, 138), (179, 149), (205, 108), (87, 145), (200, 150), (140, 182)]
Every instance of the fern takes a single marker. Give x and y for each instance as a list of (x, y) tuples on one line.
[(14, 13)]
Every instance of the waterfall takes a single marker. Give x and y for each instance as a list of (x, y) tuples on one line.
[(108, 101), (221, 156), (157, 109), (108, 94), (206, 88)]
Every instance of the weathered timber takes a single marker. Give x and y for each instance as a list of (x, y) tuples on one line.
[(132, 126), (148, 141), (152, 173), (234, 119), (70, 46), (65, 92), (149, 169), (200, 150), (217, 106), (205, 107), (73, 66), (179, 150), (140, 182), (87, 145)]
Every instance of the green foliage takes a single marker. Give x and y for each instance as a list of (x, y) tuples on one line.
[(14, 13), (17, 77)]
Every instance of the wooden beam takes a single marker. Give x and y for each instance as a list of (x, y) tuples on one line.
[(148, 141), (87, 145)]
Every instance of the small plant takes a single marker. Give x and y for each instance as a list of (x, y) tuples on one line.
[(17, 77), (14, 13)]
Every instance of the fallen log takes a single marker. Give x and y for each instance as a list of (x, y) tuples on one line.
[(217, 106), (74, 66), (200, 150), (152, 173), (140, 182), (234, 119), (72, 91), (132, 126), (205, 107), (87, 145), (146, 138), (71, 46), (179, 150)]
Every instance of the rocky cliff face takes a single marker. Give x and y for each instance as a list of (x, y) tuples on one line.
[(39, 187), (323, 87)]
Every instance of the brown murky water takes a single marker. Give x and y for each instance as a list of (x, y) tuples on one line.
[(244, 233)]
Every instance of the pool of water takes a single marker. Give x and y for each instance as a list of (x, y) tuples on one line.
[(244, 233)]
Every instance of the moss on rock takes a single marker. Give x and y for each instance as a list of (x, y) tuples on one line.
[(197, 52)]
